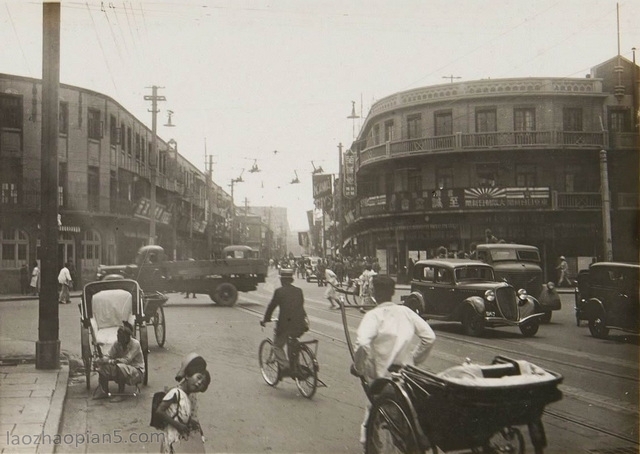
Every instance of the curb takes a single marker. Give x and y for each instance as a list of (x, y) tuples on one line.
[(54, 417)]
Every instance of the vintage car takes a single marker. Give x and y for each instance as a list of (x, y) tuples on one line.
[(466, 291), (520, 266), (607, 298)]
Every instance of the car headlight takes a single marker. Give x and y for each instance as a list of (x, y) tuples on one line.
[(490, 295), (522, 294)]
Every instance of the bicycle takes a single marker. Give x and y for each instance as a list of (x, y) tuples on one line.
[(303, 365)]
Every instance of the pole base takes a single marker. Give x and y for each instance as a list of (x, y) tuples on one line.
[(48, 354)]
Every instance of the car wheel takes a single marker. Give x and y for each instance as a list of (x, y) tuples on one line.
[(414, 304), (530, 329), (472, 323), (598, 327), (546, 318)]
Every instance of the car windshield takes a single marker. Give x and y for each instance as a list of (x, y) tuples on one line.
[(474, 273), (515, 255)]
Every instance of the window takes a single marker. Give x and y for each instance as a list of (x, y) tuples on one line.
[(14, 246), (487, 175), (524, 119), (427, 274), (63, 118), (10, 111), (444, 177), (572, 119), (443, 124), (137, 147), (94, 125), (93, 188), (62, 183), (486, 120), (444, 276), (388, 130), (526, 176), (9, 193), (414, 178), (376, 134), (90, 247), (129, 140), (414, 126), (114, 132), (619, 120)]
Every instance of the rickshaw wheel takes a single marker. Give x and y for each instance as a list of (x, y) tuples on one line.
[(144, 345), (508, 439), (86, 354), (389, 429), (160, 326)]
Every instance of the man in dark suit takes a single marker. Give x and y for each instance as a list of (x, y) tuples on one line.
[(292, 319)]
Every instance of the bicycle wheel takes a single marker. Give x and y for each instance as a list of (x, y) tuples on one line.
[(268, 365), (389, 429), (307, 373), (160, 327)]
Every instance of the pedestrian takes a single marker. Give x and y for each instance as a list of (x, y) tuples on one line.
[(563, 272), (74, 277), (321, 267), (366, 289), (292, 319), (35, 279), (330, 293), (124, 364), (24, 279), (385, 338), (442, 252), (179, 408), (64, 279)]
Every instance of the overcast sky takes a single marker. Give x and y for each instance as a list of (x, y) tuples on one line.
[(251, 77)]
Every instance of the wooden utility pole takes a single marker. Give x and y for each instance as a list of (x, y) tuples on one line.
[(607, 242), (48, 344), (153, 158)]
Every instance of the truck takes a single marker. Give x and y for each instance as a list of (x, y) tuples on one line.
[(239, 270), (520, 266)]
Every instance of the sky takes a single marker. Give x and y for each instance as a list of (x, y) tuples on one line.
[(247, 78)]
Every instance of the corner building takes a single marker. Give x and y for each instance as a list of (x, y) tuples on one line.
[(439, 165)]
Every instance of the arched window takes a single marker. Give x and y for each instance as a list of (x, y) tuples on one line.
[(14, 248)]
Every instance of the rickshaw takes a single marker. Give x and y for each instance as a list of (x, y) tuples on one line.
[(105, 306), (154, 315), (468, 407)]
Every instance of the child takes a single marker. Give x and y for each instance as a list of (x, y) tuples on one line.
[(178, 409)]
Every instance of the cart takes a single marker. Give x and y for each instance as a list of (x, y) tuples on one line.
[(468, 407), (104, 306), (154, 315)]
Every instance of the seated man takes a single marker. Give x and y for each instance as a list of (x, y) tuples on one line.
[(124, 364)]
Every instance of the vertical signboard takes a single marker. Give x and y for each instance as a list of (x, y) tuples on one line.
[(349, 170)]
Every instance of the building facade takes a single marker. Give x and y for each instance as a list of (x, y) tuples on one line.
[(523, 158), (104, 189)]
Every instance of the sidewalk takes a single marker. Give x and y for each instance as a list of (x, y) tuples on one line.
[(31, 400)]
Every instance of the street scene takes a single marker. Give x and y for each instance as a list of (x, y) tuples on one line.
[(291, 227)]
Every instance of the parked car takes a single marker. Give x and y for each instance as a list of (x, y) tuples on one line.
[(312, 268), (520, 265), (466, 291), (607, 297)]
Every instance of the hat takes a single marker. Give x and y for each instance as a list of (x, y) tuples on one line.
[(286, 272), (562, 257), (192, 361)]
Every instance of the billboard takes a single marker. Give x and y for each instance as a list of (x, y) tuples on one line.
[(321, 186)]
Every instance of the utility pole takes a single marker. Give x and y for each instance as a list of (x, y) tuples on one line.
[(48, 344), (338, 197), (606, 208), (153, 159), (451, 77)]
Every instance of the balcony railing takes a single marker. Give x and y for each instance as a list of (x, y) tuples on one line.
[(489, 140), (577, 200)]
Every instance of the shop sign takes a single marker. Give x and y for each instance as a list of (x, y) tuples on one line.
[(143, 207), (349, 169), (321, 186)]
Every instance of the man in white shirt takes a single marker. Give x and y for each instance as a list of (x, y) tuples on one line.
[(64, 279), (385, 338)]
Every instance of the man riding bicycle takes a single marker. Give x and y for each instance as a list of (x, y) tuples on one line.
[(292, 319)]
